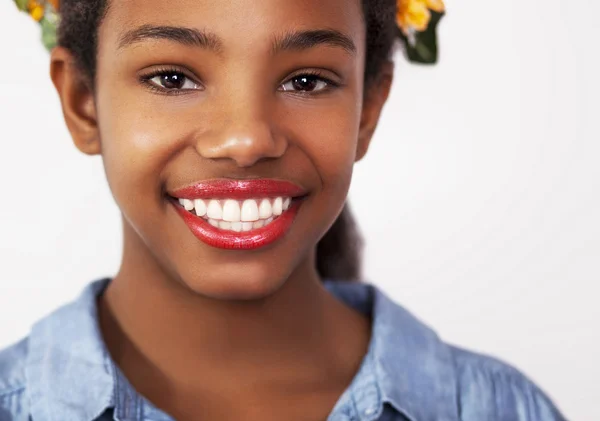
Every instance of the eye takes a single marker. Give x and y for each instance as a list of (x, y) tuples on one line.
[(173, 80), (170, 81), (308, 83)]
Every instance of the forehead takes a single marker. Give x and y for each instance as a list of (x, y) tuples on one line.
[(241, 24)]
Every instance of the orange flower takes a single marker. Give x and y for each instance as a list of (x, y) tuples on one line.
[(414, 15), (36, 10), (435, 5)]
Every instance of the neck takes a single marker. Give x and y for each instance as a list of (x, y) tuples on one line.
[(153, 324)]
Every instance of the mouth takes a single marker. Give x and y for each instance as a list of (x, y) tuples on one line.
[(238, 214)]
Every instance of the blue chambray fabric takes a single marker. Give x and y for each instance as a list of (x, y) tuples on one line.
[(63, 372)]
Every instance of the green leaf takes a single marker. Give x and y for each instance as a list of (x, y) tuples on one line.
[(48, 33), (22, 4), (424, 49)]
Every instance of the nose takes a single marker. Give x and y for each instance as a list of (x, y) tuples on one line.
[(246, 136)]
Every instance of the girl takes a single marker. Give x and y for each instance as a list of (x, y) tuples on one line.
[(228, 132)]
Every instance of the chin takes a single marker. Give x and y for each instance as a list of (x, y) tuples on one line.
[(242, 281)]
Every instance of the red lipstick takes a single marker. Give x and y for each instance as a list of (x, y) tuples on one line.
[(239, 190)]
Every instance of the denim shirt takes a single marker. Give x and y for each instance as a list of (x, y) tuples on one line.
[(63, 372)]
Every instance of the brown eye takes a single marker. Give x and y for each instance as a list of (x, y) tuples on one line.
[(305, 83), (173, 81)]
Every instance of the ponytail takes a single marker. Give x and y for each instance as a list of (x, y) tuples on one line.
[(339, 253)]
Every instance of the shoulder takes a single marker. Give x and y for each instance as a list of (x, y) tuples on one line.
[(13, 381), (428, 377), (491, 389)]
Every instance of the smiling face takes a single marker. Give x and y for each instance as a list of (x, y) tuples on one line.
[(194, 92)]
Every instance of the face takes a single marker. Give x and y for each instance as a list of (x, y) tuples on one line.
[(226, 105)]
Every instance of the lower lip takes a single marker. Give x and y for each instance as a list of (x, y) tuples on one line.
[(231, 240)]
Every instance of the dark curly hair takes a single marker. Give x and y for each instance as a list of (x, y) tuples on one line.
[(339, 251)]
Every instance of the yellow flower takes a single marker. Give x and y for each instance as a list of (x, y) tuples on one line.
[(436, 5), (36, 10), (414, 15)]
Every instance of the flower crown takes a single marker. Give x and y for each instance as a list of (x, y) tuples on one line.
[(416, 20)]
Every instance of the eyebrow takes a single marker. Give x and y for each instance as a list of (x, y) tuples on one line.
[(181, 35), (289, 41), (303, 40)]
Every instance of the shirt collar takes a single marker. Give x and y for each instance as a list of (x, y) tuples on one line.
[(412, 369), (71, 376)]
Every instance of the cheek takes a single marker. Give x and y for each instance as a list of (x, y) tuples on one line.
[(330, 143), (138, 139)]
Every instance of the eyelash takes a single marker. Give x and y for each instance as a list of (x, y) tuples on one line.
[(331, 84), (146, 81)]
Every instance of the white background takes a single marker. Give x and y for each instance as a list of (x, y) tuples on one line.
[(479, 199)]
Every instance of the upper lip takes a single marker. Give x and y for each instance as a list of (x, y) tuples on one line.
[(238, 189)]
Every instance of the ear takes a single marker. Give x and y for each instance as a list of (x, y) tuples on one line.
[(373, 103), (77, 99)]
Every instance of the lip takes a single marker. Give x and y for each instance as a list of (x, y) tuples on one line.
[(231, 240), (238, 189)]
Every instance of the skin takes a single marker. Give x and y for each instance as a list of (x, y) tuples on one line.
[(201, 332)]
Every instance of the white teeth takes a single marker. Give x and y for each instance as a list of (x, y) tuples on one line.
[(249, 211), (200, 207), (214, 210), (265, 210), (238, 216), (187, 204), (231, 211), (278, 206)]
